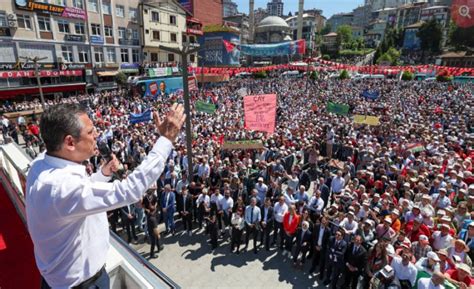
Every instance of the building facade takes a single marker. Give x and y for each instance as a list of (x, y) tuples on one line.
[(275, 8), (340, 19), (207, 11), (165, 23), (229, 8)]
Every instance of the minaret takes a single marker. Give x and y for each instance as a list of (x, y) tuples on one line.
[(252, 21), (299, 33)]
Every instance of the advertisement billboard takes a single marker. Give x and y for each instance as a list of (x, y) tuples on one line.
[(214, 52)]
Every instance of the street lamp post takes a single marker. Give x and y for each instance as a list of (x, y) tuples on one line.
[(38, 78), (184, 52)]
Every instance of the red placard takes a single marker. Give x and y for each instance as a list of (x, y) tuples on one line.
[(260, 112)]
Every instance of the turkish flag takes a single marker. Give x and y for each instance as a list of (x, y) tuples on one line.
[(462, 12), (228, 46)]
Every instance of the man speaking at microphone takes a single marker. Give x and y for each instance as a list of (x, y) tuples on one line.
[(66, 209)]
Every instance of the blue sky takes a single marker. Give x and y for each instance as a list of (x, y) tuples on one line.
[(329, 7)]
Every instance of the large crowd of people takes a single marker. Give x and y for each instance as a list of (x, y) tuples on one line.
[(387, 206)]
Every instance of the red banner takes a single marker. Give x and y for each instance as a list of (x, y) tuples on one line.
[(260, 112), (43, 73)]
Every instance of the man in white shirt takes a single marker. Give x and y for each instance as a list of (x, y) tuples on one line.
[(252, 219), (405, 271), (71, 247), (279, 211), (442, 239), (262, 190), (435, 282), (337, 183)]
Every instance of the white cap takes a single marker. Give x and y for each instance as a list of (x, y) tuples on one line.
[(433, 255)]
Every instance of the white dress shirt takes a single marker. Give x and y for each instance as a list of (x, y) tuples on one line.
[(441, 242), (403, 272), (316, 204), (66, 212), (426, 283), (279, 211)]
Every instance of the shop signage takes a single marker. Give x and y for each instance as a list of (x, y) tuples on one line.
[(66, 12), (194, 31), (129, 66), (43, 73), (73, 37), (26, 66), (72, 66), (97, 39)]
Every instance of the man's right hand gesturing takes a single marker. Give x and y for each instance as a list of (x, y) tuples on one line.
[(172, 123)]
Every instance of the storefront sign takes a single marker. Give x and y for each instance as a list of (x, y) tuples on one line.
[(72, 66), (43, 73), (194, 31), (26, 66), (5, 31), (129, 66), (66, 12), (73, 37), (75, 13), (97, 39)]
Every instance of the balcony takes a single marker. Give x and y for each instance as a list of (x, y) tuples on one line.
[(123, 41)]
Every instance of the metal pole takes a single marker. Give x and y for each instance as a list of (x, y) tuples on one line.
[(187, 110), (38, 79)]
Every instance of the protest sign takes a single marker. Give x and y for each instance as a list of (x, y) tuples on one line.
[(202, 106), (260, 112), (242, 145), (366, 119), (140, 117), (373, 95), (337, 108)]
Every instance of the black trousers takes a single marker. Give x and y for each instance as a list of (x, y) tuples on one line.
[(334, 273), (130, 227), (279, 231), (319, 259), (236, 239), (251, 231), (152, 223), (351, 279), (265, 234), (187, 221), (300, 249)]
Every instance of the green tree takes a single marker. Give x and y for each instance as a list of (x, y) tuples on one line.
[(394, 55), (461, 38), (121, 79), (407, 75), (430, 36), (326, 29), (384, 59), (344, 35), (344, 74)]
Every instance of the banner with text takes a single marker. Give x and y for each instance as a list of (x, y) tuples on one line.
[(366, 119), (276, 49), (243, 145), (260, 112)]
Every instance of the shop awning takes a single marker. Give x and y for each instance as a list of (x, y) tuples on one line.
[(107, 73), (10, 92)]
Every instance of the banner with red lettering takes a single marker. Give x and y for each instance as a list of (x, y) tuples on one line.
[(43, 73), (260, 112)]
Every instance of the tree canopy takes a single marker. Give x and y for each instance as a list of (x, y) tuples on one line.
[(430, 34)]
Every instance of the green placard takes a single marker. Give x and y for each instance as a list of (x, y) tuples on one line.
[(205, 107), (337, 108)]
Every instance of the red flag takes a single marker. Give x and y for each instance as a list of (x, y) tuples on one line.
[(228, 46), (438, 110)]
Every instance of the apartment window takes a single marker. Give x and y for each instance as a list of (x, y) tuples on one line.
[(192, 58), (98, 55), (24, 21), (156, 35), (173, 37), (63, 26), (154, 57), (170, 57), (172, 20), (3, 19), (93, 5), (184, 39), (133, 14), (83, 54), (67, 53), (124, 55), (135, 55), (135, 34), (119, 11), (56, 2), (106, 7), (44, 24), (80, 28), (111, 55), (122, 32), (78, 4), (155, 16), (95, 29), (108, 31)]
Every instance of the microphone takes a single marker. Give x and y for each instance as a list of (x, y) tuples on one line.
[(105, 151)]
